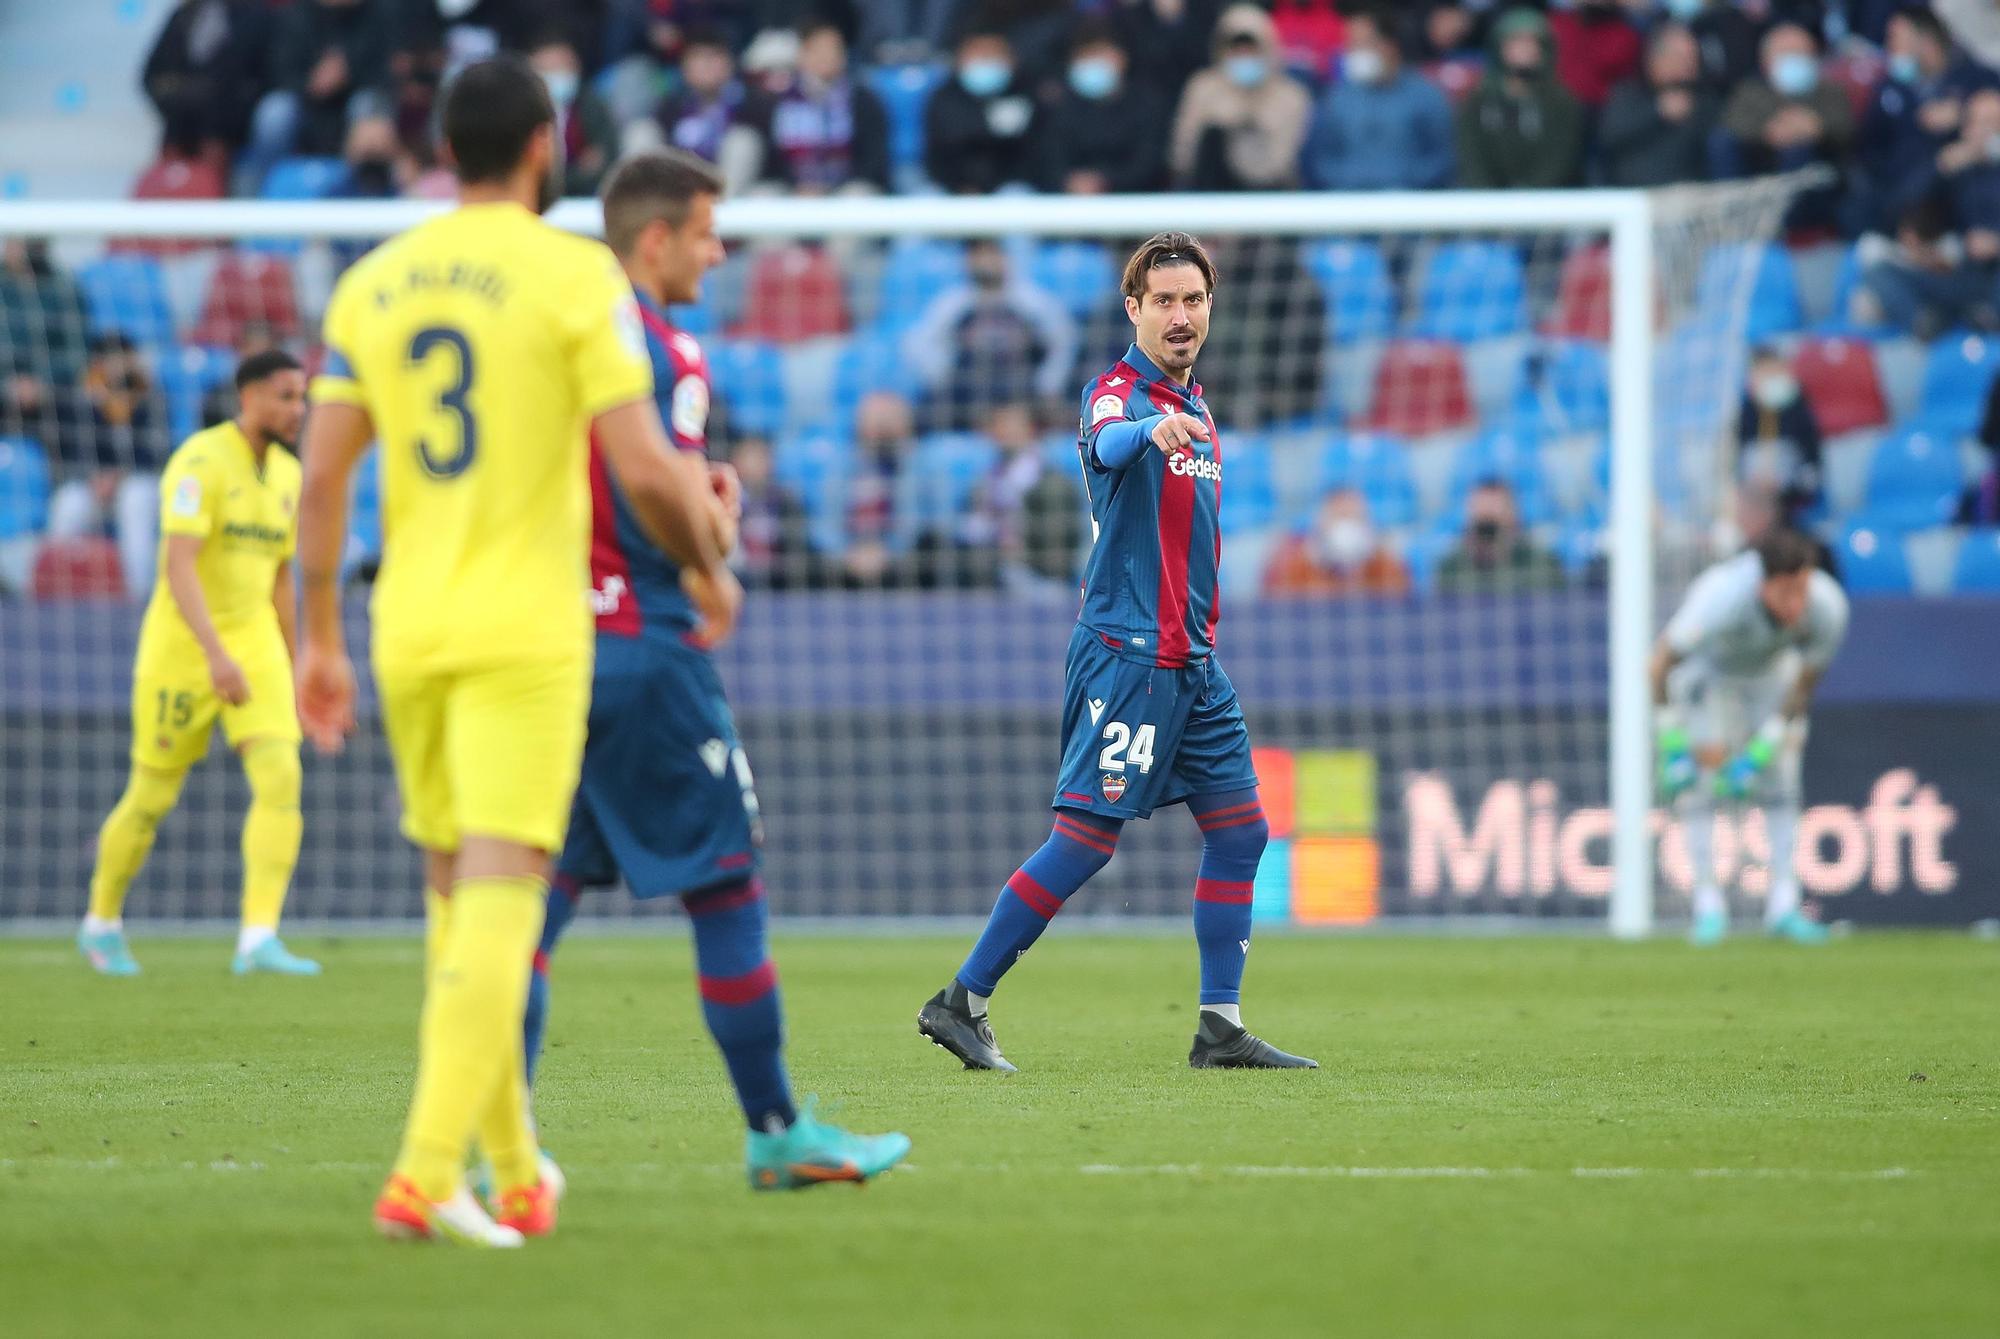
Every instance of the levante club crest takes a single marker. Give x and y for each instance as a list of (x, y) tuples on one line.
[(1114, 788)]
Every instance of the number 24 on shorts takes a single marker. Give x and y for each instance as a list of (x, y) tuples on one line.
[(1119, 738)]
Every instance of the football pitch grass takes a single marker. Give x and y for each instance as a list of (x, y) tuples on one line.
[(1542, 1137)]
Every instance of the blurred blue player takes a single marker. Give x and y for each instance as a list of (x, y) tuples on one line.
[(666, 799), (1149, 718)]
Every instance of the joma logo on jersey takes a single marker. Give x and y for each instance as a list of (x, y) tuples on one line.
[(1198, 466)]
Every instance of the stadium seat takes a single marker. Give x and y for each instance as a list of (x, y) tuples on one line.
[(867, 363), (1082, 275), (1914, 480), (749, 378), (128, 293), (1844, 465), (1957, 374), (1841, 383), (364, 521), (795, 292), (1378, 466), (913, 271), (169, 178), (247, 288), (1978, 568), (78, 569), (937, 483), (1420, 388), (1901, 363), (1872, 561), (1493, 372), (1250, 484), (905, 91), (1774, 293), (304, 178), (1581, 545), (1565, 385), (24, 488), (1582, 307), (186, 375), (1471, 290), (818, 468), (1354, 279), (1505, 454)]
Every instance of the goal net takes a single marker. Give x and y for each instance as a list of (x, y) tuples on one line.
[(1472, 445)]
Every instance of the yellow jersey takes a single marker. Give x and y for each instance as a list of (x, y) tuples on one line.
[(214, 491), (482, 343)]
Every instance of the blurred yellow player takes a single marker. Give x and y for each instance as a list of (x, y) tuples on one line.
[(217, 645), (480, 348)]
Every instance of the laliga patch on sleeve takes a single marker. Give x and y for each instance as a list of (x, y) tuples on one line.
[(187, 496), (1106, 407), (690, 408), (631, 329)]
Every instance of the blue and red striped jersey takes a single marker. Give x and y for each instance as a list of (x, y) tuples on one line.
[(1150, 588), (634, 587)]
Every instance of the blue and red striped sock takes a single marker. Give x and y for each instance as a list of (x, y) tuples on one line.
[(1233, 834), (739, 996), (563, 893), (1079, 845)]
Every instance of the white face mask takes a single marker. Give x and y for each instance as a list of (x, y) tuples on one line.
[(1346, 541), (1775, 390), (1363, 66)]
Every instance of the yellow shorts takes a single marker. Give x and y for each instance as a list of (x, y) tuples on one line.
[(490, 752), (175, 709)]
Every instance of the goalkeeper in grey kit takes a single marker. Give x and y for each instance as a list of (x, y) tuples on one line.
[(1733, 675)]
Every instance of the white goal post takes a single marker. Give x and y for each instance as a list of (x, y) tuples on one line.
[(1629, 223)]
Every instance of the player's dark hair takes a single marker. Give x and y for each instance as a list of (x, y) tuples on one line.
[(1784, 551), (268, 363), (1163, 249), (656, 184), (491, 110)]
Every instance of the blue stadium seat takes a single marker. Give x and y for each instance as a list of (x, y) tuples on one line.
[(937, 482), (186, 375), (1580, 544), (1249, 484), (364, 520), (1081, 274), (696, 318), (1774, 295), (304, 178), (1379, 466), (817, 468), (1977, 569), (1360, 296), (867, 363), (1471, 290), (1566, 386), (128, 293), (24, 488), (1914, 480), (1957, 374), (905, 91), (749, 378), (1872, 561), (1503, 453), (914, 270), (1846, 281), (1426, 549)]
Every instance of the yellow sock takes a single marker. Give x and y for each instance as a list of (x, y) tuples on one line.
[(127, 836), (437, 917), (271, 830), (507, 1130), (471, 1030)]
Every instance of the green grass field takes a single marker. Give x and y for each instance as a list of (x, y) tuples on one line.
[(1514, 1137)]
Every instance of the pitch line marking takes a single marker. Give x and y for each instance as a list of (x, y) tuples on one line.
[(1508, 1173)]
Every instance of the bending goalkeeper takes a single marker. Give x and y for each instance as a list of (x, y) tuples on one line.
[(1733, 675)]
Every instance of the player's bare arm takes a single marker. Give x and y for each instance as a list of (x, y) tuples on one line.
[(336, 437), (1659, 668), (285, 600), (1801, 695), (223, 672)]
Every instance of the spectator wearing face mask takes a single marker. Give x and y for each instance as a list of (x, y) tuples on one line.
[(1104, 134), (1656, 129), (1725, 36), (1382, 127), (1495, 556), (1242, 121), (1597, 48), (330, 65), (1939, 271), (1520, 128), (1916, 111), (1787, 116), (1341, 554), (583, 123), (995, 339), (826, 133), (710, 115), (979, 127), (1778, 440)]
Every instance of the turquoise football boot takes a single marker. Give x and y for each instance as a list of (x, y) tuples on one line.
[(811, 1154), (1710, 929), (1799, 928), (273, 956), (107, 952)]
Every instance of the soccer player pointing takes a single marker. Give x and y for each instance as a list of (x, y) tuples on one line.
[(217, 646), (480, 347), (1149, 718)]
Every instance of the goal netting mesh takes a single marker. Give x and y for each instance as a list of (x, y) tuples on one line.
[(1416, 435)]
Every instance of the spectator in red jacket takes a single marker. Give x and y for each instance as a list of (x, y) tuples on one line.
[(1597, 48)]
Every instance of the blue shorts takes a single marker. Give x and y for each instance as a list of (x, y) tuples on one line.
[(1136, 738), (666, 798)]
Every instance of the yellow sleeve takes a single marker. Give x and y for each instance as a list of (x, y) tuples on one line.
[(338, 382), (189, 494), (606, 339)]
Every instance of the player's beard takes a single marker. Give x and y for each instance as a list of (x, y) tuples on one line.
[(550, 188)]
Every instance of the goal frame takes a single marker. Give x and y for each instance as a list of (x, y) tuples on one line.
[(1625, 217)]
